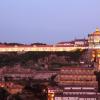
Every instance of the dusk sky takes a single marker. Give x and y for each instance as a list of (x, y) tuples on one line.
[(47, 21)]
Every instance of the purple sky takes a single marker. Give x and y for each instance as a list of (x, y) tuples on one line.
[(47, 21)]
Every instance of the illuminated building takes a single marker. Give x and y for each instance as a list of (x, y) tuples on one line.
[(94, 42), (76, 42), (77, 76), (80, 42), (78, 83), (50, 96), (94, 38), (11, 87), (52, 91), (16, 73)]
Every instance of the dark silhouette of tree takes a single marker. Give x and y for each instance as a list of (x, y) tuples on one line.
[(14, 97), (38, 43), (39, 91), (3, 94)]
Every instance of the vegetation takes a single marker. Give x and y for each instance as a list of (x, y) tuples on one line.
[(40, 60), (3, 94), (98, 79)]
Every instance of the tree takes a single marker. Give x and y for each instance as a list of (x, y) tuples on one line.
[(3, 94)]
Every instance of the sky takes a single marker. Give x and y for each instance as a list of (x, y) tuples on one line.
[(47, 21)]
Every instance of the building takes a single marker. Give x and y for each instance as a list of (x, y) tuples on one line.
[(11, 87), (77, 76), (52, 91), (94, 42), (80, 42), (94, 38), (16, 73), (76, 42), (76, 83), (70, 43), (44, 75)]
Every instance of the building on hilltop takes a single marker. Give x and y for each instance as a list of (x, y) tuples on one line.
[(76, 42), (94, 44), (80, 42), (94, 38)]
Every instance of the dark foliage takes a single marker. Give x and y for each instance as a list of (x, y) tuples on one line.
[(3, 94), (13, 58), (39, 91)]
